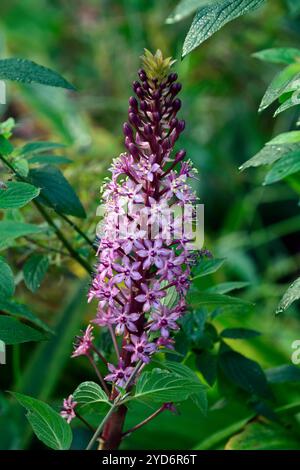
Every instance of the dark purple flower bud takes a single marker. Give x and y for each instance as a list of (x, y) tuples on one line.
[(156, 95), (175, 88), (180, 126), (148, 129), (142, 75), (140, 93), (172, 77), (134, 150), (176, 105), (156, 116), (143, 106), (136, 85), (173, 123), (135, 120), (127, 129), (133, 102)]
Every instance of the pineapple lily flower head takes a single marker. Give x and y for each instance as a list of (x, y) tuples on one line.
[(135, 273)]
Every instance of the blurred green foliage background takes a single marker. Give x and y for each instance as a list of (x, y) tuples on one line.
[(96, 45)]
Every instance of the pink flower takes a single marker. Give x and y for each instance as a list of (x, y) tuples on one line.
[(125, 319), (120, 374), (68, 408), (164, 320), (128, 272), (151, 251), (140, 348), (83, 343), (151, 295)]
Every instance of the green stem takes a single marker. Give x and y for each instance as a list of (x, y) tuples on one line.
[(101, 426)]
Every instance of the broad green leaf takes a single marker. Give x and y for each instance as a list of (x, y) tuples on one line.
[(291, 295), (287, 80), (260, 436), (287, 165), (239, 333), (199, 398), (21, 167), (186, 8), (7, 282), (206, 363), (13, 331), (209, 19), (10, 230), (56, 191), (283, 374), (34, 271), (279, 55), (226, 287), (49, 159), (47, 424), (22, 312), (26, 71), (33, 148), (89, 392), (200, 299), (292, 101), (161, 386), (292, 137), (245, 373), (277, 148), (6, 147), (17, 195), (207, 266)]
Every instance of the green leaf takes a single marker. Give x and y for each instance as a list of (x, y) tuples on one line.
[(287, 80), (49, 160), (22, 312), (283, 374), (291, 295), (206, 363), (6, 147), (38, 147), (279, 55), (56, 191), (259, 436), (34, 271), (7, 282), (199, 398), (10, 230), (21, 166), (287, 165), (245, 373), (89, 392), (26, 71), (13, 331), (17, 195), (239, 333), (294, 6), (207, 266), (277, 148), (292, 101), (186, 8), (209, 19), (200, 299), (47, 424), (226, 287), (161, 386)]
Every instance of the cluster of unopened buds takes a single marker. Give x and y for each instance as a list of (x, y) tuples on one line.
[(141, 279)]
